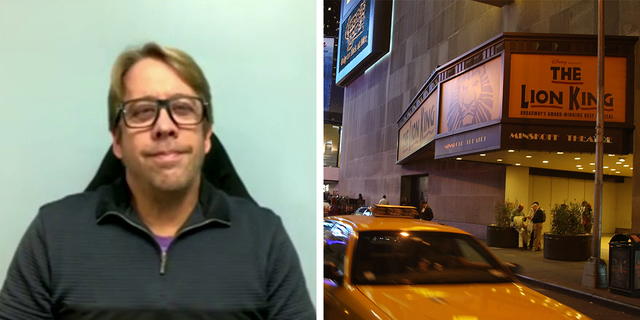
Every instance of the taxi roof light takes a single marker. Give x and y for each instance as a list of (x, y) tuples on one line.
[(381, 210)]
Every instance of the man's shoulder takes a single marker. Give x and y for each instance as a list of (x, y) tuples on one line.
[(72, 203), (245, 209), (254, 221), (74, 210)]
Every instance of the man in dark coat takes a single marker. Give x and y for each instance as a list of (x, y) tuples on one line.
[(157, 238), (425, 211), (538, 219)]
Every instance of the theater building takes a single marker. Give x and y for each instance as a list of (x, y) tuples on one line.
[(476, 102)]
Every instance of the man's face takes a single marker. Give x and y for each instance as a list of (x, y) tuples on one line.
[(164, 156), (520, 207), (534, 207)]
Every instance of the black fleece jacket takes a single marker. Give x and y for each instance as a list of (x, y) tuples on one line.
[(88, 256)]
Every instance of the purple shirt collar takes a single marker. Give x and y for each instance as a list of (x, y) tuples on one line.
[(164, 242)]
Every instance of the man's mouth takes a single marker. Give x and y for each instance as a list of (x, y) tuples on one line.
[(166, 157)]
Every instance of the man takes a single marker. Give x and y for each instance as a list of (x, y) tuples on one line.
[(425, 211), (519, 220), (334, 209), (161, 242), (383, 200), (538, 219)]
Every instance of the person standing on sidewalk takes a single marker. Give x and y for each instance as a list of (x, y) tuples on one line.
[(383, 200), (520, 226), (425, 212), (538, 219)]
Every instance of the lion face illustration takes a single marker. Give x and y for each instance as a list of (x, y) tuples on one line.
[(472, 100)]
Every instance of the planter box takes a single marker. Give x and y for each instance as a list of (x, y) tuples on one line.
[(502, 237), (568, 247)]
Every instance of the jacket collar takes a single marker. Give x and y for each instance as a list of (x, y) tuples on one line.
[(213, 204)]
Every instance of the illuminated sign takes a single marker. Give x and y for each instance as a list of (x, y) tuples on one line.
[(544, 78), (562, 138), (365, 31), (564, 87), (420, 129), (483, 139), (356, 33), (473, 97), (328, 71)]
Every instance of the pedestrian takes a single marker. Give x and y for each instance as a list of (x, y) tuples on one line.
[(519, 222), (161, 241), (405, 201), (383, 200), (334, 210), (425, 213), (538, 219), (587, 216)]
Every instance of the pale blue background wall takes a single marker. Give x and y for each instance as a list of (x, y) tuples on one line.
[(259, 57)]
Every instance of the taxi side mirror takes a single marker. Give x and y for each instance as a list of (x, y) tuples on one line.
[(514, 267), (332, 273)]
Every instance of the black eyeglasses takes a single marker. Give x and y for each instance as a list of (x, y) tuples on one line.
[(143, 113)]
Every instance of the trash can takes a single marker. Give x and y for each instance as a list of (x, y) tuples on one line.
[(624, 264)]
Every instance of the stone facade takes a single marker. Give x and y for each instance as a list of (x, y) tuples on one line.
[(426, 34)]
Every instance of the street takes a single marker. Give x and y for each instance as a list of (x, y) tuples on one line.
[(591, 308)]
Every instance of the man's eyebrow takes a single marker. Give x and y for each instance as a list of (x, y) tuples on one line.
[(173, 96), (182, 95), (147, 97)]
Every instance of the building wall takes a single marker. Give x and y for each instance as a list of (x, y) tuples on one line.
[(462, 193), (623, 211), (516, 187), (616, 207), (426, 34)]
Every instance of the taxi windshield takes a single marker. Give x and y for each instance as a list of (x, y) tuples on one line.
[(421, 257)]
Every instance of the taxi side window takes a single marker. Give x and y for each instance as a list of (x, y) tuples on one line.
[(470, 253), (335, 245)]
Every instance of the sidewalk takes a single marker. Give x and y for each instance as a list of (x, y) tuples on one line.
[(566, 276)]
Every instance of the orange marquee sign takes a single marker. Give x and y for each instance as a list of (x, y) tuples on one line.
[(564, 87)]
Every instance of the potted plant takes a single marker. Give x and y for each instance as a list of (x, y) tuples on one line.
[(501, 234), (568, 240)]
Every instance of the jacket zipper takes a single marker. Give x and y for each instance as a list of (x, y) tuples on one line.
[(163, 254), (163, 261)]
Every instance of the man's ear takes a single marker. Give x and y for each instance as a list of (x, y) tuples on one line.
[(207, 138), (116, 135)]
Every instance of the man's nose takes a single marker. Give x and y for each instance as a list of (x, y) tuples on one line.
[(164, 126)]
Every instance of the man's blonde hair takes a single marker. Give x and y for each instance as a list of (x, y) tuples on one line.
[(186, 68)]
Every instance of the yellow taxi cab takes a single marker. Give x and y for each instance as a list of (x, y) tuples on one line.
[(392, 266)]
